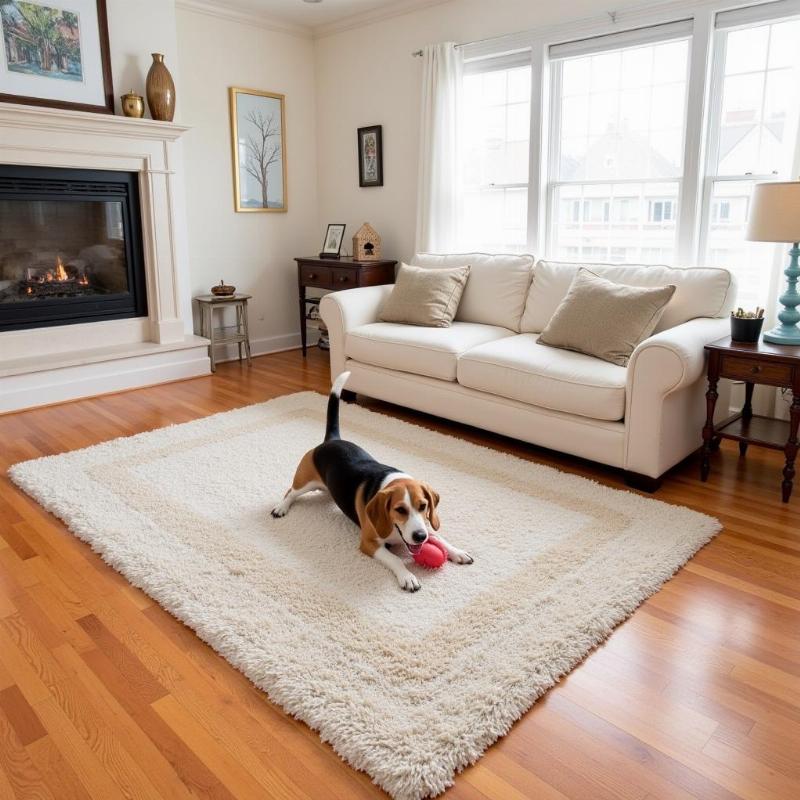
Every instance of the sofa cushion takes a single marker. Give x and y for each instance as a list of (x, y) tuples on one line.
[(497, 286), (427, 297), (604, 319), (699, 291), (424, 351), (518, 368)]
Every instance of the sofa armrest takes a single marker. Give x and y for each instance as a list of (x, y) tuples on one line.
[(664, 409), (343, 311)]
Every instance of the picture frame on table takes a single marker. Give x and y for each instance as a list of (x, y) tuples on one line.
[(370, 156), (56, 56), (334, 236)]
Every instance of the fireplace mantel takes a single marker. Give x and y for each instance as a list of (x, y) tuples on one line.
[(58, 120), (82, 140)]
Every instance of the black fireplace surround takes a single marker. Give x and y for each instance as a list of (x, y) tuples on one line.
[(70, 247)]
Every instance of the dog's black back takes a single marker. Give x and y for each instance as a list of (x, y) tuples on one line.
[(344, 466)]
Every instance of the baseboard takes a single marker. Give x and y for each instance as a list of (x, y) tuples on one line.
[(19, 392), (266, 345)]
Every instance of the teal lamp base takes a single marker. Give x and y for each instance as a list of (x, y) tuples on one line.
[(788, 331)]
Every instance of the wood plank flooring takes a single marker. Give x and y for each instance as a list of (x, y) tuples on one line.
[(104, 695)]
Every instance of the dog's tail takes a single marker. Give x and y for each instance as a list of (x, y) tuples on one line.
[(332, 426)]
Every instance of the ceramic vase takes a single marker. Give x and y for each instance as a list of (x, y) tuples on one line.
[(160, 90)]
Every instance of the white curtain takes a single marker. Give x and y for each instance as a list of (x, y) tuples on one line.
[(437, 198)]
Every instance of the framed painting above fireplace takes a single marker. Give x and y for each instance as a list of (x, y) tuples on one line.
[(56, 56)]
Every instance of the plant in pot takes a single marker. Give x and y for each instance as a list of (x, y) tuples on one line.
[(746, 325)]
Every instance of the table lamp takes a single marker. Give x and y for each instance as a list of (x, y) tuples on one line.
[(775, 217)]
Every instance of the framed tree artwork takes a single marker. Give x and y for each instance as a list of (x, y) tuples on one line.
[(56, 56), (258, 130), (370, 156)]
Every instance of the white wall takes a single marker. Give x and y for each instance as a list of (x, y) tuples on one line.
[(252, 251), (366, 76), (206, 55), (135, 30)]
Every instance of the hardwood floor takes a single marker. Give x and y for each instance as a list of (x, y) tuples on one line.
[(104, 695)]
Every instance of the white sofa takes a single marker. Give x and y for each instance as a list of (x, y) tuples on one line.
[(487, 369)]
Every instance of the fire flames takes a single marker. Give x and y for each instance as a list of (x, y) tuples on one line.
[(58, 274)]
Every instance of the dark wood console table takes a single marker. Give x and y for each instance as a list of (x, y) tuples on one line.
[(758, 363), (336, 274)]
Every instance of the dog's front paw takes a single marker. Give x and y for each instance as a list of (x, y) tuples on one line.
[(280, 510), (409, 582), (460, 556)]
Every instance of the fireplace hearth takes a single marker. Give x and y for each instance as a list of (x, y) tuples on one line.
[(70, 247)]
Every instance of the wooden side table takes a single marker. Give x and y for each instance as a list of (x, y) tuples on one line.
[(225, 334), (336, 274), (758, 363)]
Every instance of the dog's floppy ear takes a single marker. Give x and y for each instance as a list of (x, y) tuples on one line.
[(377, 511), (433, 502)]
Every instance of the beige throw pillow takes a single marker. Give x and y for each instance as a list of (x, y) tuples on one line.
[(426, 297), (604, 319)]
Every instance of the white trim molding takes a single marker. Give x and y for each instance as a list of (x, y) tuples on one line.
[(389, 11), (81, 140), (244, 16)]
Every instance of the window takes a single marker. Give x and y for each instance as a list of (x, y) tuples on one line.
[(495, 143), (721, 211), (637, 156), (753, 137), (661, 210), (618, 119)]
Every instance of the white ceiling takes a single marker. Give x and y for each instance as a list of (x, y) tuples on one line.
[(312, 15)]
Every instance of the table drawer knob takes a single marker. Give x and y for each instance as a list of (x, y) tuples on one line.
[(343, 279), (755, 370), (312, 275)]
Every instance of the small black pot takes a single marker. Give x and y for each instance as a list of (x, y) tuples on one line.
[(746, 330)]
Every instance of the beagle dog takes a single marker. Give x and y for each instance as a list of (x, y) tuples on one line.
[(392, 509)]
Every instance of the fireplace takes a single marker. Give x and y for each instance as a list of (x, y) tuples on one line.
[(70, 247)]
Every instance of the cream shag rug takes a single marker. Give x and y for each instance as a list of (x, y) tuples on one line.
[(409, 688)]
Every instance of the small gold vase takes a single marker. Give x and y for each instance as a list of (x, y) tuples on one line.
[(132, 104), (160, 90)]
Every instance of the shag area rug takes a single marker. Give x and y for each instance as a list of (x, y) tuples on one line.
[(409, 688)]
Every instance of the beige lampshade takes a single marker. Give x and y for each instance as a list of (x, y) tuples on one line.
[(775, 212)]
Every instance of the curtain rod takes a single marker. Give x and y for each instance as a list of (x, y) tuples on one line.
[(418, 53)]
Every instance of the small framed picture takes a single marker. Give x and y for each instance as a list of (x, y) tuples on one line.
[(333, 240), (258, 133), (55, 56), (370, 156)]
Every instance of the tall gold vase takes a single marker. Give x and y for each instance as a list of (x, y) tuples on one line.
[(160, 90)]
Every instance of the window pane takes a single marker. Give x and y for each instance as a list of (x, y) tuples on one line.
[(621, 115), (619, 141), (746, 50), (758, 127), (630, 222), (494, 155), (495, 220), (750, 262)]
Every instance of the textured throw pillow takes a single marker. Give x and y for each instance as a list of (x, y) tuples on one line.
[(604, 319), (426, 297)]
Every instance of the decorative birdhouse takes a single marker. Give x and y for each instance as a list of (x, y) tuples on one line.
[(366, 244)]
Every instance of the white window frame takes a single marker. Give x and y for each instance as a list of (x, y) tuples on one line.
[(657, 31), (694, 210), (745, 17), (494, 63)]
